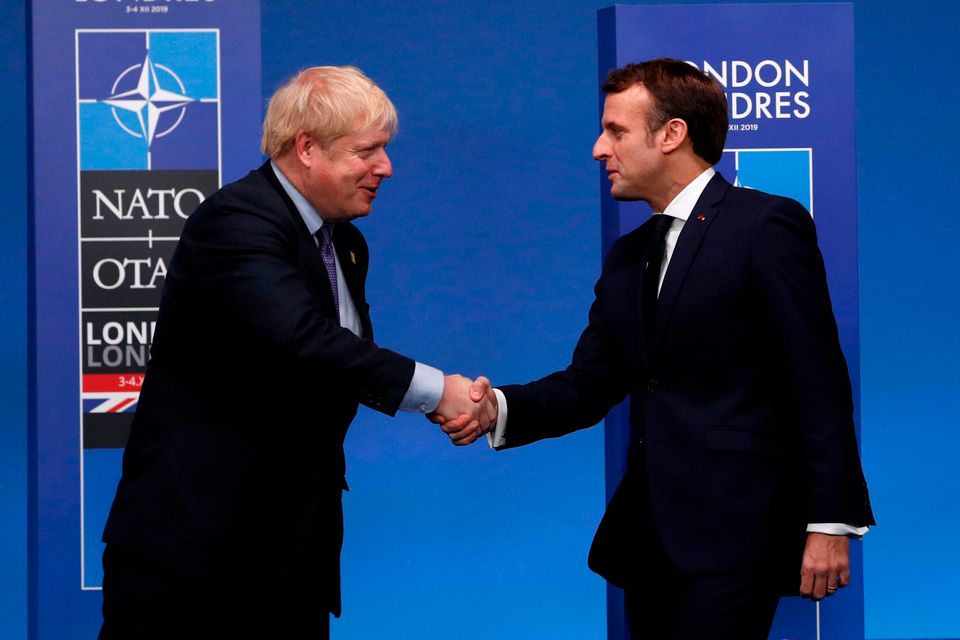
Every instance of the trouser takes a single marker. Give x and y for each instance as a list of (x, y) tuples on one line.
[(669, 605), (145, 602)]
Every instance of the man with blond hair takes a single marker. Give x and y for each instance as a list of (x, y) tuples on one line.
[(227, 520)]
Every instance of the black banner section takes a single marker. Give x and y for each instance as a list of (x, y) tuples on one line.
[(106, 430)]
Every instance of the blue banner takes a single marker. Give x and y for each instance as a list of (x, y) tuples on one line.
[(141, 109), (788, 71)]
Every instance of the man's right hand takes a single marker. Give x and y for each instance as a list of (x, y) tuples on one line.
[(467, 410)]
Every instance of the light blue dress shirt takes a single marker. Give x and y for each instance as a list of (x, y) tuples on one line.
[(426, 388)]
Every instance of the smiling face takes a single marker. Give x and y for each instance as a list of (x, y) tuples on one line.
[(631, 152), (341, 179)]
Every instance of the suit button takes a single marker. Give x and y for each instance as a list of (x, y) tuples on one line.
[(651, 385)]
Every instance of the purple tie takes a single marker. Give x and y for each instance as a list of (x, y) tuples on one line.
[(330, 261)]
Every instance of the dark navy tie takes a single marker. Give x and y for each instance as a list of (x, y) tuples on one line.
[(659, 225)]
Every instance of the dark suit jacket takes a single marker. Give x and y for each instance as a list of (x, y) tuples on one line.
[(741, 409), (233, 474)]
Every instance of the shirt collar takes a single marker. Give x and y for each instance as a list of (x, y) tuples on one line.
[(310, 216), (684, 202)]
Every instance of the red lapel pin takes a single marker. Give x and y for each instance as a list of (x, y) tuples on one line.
[(701, 217)]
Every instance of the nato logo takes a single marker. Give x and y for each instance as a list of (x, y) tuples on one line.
[(148, 99), (784, 172)]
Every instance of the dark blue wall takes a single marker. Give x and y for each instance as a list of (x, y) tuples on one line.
[(13, 323), (907, 139), (485, 247)]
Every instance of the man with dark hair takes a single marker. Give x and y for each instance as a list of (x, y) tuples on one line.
[(743, 479), (683, 92)]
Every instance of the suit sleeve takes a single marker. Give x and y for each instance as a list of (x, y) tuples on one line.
[(788, 270), (238, 263), (580, 395)]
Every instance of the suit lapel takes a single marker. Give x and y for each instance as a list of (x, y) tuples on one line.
[(688, 244), (309, 258), (351, 269), (644, 347)]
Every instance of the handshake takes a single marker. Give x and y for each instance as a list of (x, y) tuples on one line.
[(467, 410)]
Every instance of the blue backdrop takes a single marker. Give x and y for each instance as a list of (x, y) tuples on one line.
[(13, 324), (485, 246)]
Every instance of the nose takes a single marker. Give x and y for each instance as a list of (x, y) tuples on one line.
[(601, 148), (383, 167)]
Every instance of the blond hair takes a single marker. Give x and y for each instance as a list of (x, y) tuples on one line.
[(326, 102)]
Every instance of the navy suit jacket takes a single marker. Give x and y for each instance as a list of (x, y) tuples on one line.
[(741, 409), (233, 473)]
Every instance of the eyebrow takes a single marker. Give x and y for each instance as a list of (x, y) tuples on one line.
[(371, 143), (365, 145), (613, 125)]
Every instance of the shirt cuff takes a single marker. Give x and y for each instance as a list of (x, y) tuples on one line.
[(837, 529), (425, 390), (497, 438)]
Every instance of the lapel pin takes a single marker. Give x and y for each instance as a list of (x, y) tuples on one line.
[(701, 217), (353, 258)]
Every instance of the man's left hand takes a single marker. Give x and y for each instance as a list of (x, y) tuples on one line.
[(826, 565)]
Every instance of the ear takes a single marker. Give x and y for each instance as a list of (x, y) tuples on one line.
[(674, 135), (305, 147)]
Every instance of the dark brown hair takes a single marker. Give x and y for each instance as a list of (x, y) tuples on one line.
[(679, 90)]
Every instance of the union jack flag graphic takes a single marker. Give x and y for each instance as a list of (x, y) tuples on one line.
[(110, 403), (111, 393)]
